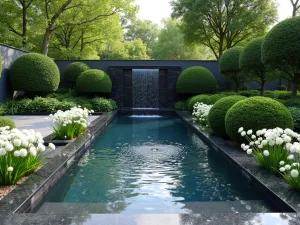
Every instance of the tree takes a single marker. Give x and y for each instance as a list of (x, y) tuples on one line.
[(170, 45), (223, 24), (281, 50), (125, 50), (296, 6), (145, 30), (252, 66), (230, 68)]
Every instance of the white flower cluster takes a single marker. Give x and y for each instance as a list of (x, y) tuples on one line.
[(271, 137), (201, 111), (75, 115), (21, 143), (292, 169)]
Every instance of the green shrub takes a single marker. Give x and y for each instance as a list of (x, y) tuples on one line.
[(230, 68), (281, 48), (284, 94), (34, 73), (214, 98), (270, 94), (290, 102), (282, 88), (250, 93), (198, 98), (113, 104), (196, 80), (0, 65), (73, 71), (295, 111), (63, 90), (4, 121), (216, 116), (180, 106), (256, 113), (229, 93), (102, 105), (244, 87), (94, 81)]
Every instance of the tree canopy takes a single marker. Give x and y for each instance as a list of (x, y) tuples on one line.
[(223, 24)]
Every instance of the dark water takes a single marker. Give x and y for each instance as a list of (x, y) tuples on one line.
[(153, 165)]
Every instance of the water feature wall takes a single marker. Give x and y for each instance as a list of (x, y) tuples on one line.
[(145, 88)]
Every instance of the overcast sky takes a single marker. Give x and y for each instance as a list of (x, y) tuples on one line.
[(156, 10)]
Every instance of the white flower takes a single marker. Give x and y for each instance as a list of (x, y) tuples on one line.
[(287, 139), (282, 169), (241, 129), (23, 152), (281, 163), (294, 173), (288, 146), (258, 133), (243, 146), (41, 147), (279, 141), (266, 153), (287, 167), (52, 146), (264, 142), (271, 143), (32, 151), (251, 143), (9, 147), (243, 133), (260, 146), (10, 169), (291, 157), (17, 153), (249, 151), (246, 147), (2, 151), (253, 137), (249, 132), (17, 142), (295, 164)]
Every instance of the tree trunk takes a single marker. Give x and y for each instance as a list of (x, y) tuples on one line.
[(262, 88), (46, 39), (295, 89)]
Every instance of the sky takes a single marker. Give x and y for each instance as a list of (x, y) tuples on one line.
[(156, 10)]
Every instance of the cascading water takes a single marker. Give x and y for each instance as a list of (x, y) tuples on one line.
[(145, 86)]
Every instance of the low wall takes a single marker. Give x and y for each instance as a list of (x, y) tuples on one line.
[(9, 55)]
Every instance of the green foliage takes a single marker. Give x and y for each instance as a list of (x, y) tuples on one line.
[(94, 81), (290, 102), (0, 65), (295, 112), (282, 88), (222, 24), (214, 98), (73, 71), (281, 49), (270, 94), (196, 80), (230, 68), (284, 94), (180, 106), (103, 105), (229, 93), (198, 98), (249, 93), (256, 113), (34, 73), (244, 87), (4, 121), (216, 116)]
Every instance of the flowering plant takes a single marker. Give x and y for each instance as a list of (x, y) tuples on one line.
[(270, 147), (200, 112), (21, 153), (69, 124)]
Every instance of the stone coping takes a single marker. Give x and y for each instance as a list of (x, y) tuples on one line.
[(29, 193), (275, 188)]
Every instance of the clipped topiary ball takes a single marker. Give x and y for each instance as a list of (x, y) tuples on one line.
[(198, 98), (196, 80), (214, 98), (216, 116), (4, 121), (256, 113), (94, 81), (34, 73), (73, 71)]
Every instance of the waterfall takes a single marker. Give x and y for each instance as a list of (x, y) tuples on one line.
[(145, 88)]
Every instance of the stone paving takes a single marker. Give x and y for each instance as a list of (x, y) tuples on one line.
[(38, 123)]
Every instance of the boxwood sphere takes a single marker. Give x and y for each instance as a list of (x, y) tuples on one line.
[(94, 81), (230, 61), (283, 43), (196, 80), (256, 113), (250, 58), (216, 116), (34, 73), (73, 71), (198, 98), (4, 121)]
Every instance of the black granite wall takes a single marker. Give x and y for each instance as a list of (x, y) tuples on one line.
[(120, 72)]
